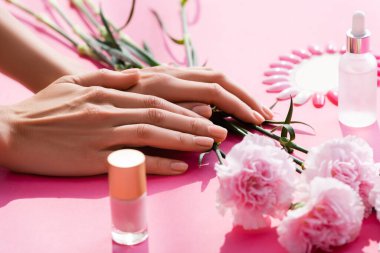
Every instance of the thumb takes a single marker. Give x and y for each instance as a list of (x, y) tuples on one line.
[(105, 78)]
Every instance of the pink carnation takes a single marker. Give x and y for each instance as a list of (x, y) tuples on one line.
[(257, 181), (350, 160), (331, 216), (374, 197)]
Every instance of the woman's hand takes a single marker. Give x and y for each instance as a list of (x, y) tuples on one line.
[(202, 85), (69, 130)]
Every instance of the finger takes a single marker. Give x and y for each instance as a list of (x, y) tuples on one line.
[(169, 120), (206, 75), (141, 135), (124, 100), (164, 166), (199, 108), (107, 78), (178, 90)]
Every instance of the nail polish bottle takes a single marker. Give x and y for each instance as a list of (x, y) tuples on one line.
[(127, 188), (357, 77)]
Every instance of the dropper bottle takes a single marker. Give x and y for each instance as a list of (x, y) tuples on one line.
[(357, 77)]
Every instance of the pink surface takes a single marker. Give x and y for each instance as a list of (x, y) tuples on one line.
[(241, 38)]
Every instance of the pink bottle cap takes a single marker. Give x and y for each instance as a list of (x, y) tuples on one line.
[(126, 174)]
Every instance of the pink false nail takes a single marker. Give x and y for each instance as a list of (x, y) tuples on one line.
[(302, 53), (377, 56), (342, 50), (332, 95), (275, 79), (331, 49), (277, 71), (302, 97), (378, 64), (378, 72), (282, 64), (319, 100), (378, 82), (291, 58), (277, 87), (287, 93), (315, 50)]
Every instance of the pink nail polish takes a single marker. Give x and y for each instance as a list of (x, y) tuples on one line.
[(302, 53), (281, 64), (319, 100), (332, 95), (315, 50), (290, 58), (276, 71), (127, 187)]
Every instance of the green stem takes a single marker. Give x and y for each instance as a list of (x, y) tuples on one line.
[(219, 119), (145, 57), (81, 7), (186, 37), (45, 21), (89, 41), (57, 8)]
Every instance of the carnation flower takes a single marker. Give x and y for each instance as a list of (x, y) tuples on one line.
[(257, 181), (350, 160), (331, 216), (374, 197)]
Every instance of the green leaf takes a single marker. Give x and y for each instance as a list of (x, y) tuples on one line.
[(272, 106), (290, 130), (287, 119), (163, 28), (194, 55), (129, 16), (110, 37), (201, 156), (273, 122), (147, 48)]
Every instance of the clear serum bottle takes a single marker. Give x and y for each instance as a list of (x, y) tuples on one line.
[(127, 187), (357, 77)]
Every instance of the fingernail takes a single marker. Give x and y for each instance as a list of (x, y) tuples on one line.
[(179, 166), (259, 118), (204, 141), (268, 113), (217, 132), (203, 110)]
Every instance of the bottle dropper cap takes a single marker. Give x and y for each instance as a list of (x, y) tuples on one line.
[(358, 36), (126, 174)]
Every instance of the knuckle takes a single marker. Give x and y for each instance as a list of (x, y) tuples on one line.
[(142, 131), (215, 90), (162, 78), (96, 94), (217, 75), (67, 79), (181, 137), (159, 68), (194, 125), (155, 115), (91, 110), (153, 102), (102, 73)]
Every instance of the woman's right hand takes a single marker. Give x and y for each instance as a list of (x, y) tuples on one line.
[(69, 129)]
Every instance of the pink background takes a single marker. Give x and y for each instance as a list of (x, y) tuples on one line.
[(240, 38)]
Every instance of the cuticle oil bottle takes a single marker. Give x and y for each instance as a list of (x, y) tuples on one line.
[(357, 77)]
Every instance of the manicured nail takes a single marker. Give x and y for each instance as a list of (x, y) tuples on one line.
[(179, 166), (203, 110), (217, 132), (259, 118), (268, 113), (204, 141)]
